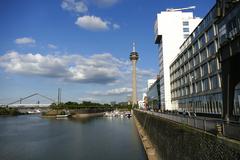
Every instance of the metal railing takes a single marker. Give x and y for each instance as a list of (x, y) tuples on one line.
[(212, 125)]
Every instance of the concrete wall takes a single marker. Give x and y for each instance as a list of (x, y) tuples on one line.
[(174, 141)]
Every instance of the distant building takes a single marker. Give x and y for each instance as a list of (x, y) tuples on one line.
[(172, 27), (150, 82), (153, 100), (142, 102)]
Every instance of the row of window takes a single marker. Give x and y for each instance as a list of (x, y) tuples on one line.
[(205, 69), (194, 87), (199, 29), (186, 56), (208, 104), (202, 104), (205, 38)]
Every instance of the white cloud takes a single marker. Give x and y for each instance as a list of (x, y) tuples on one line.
[(99, 68), (116, 26), (25, 40), (113, 75), (116, 91), (75, 6), (105, 3), (92, 23), (52, 46)]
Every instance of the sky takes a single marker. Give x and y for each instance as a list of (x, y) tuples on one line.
[(80, 46)]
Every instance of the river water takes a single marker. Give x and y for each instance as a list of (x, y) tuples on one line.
[(31, 137)]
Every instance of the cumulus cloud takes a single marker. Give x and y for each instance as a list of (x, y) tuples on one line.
[(98, 68), (116, 91), (75, 6), (52, 46), (92, 23), (25, 40)]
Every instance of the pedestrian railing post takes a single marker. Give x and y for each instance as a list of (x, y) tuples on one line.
[(204, 124)]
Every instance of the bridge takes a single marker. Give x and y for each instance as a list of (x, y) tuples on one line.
[(19, 104)]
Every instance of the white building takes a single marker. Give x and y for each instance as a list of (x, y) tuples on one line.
[(172, 27), (141, 103)]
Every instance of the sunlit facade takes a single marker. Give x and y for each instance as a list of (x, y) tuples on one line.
[(172, 27), (196, 72)]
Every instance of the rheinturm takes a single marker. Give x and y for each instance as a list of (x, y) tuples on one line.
[(134, 58)]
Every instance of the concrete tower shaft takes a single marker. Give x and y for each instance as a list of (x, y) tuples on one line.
[(134, 58)]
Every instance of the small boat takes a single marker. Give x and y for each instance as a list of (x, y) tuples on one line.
[(35, 111), (62, 116), (128, 115)]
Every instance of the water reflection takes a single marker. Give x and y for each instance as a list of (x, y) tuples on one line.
[(32, 137)]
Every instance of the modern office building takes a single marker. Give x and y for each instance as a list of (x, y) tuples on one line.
[(172, 27), (153, 95), (196, 72), (150, 83)]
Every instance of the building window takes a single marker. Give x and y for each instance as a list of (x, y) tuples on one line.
[(193, 88), (185, 29), (187, 90), (190, 52), (210, 34), (203, 55), (186, 67), (191, 63), (201, 41), (211, 49), (204, 69), (197, 73), (214, 82), (185, 23), (195, 46), (185, 56), (213, 66), (205, 84), (196, 60), (186, 79), (199, 87), (185, 36), (191, 77)]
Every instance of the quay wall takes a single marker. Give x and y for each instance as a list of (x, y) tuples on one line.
[(176, 141)]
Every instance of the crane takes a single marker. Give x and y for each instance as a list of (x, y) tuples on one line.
[(180, 9)]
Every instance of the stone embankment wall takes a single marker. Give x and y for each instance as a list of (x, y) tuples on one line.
[(174, 141)]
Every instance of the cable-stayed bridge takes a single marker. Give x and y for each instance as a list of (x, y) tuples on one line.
[(20, 102)]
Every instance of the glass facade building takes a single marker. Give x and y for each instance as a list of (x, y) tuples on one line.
[(195, 74), (153, 96)]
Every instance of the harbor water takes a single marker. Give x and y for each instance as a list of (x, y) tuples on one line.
[(31, 137)]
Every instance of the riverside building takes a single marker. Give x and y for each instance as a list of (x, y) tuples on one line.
[(172, 27), (196, 72), (153, 95)]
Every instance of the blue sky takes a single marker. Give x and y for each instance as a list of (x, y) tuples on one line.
[(81, 46)]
